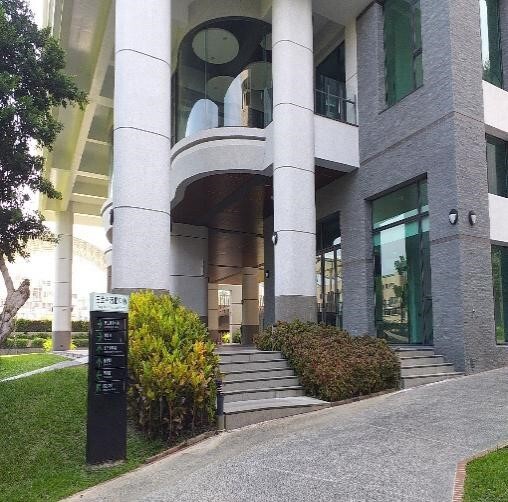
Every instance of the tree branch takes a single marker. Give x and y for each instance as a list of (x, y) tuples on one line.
[(7, 277)]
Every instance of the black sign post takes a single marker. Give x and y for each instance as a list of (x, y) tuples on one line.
[(107, 379)]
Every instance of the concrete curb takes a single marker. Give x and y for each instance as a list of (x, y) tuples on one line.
[(362, 398), (181, 446), (460, 472)]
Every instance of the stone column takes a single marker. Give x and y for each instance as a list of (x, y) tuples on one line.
[(235, 310), (188, 267), (269, 311), (142, 132), (213, 312), (250, 305), (62, 306), (293, 166)]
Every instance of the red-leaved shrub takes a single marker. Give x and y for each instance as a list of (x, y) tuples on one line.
[(331, 364)]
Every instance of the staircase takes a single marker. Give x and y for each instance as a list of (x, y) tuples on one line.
[(420, 365), (260, 386)]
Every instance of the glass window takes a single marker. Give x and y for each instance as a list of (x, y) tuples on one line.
[(403, 48), (402, 266), (224, 77), (329, 272), (491, 42), (497, 165), (500, 283)]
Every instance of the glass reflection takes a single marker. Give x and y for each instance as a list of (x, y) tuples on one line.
[(224, 77)]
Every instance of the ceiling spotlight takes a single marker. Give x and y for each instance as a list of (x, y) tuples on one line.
[(453, 216)]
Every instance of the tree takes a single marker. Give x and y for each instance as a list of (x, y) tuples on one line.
[(32, 84)]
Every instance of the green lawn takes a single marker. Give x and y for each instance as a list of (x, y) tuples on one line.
[(15, 365), (487, 478), (42, 438)]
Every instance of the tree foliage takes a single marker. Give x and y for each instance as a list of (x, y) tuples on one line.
[(32, 84)]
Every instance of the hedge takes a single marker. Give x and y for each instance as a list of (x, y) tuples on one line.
[(44, 326), (172, 368), (331, 364)]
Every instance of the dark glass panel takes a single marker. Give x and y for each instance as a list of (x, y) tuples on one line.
[(497, 165), (491, 42), (500, 284)]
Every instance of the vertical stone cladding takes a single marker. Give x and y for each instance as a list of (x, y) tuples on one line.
[(436, 132), (250, 305), (293, 166), (503, 13), (269, 293), (142, 132), (213, 312)]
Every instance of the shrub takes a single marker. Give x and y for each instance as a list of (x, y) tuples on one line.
[(37, 343), (331, 364), (44, 326), (172, 368), (80, 342)]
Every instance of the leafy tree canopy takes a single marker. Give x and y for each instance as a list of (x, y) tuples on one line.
[(32, 83)]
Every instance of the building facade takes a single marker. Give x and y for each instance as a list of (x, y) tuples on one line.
[(351, 155)]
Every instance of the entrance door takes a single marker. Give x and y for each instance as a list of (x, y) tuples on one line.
[(329, 286)]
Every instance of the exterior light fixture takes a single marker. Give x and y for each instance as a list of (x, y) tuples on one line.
[(267, 274), (473, 218), (275, 238), (453, 216)]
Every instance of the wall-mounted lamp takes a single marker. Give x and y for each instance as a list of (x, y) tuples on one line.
[(453, 216), (473, 218), (267, 274), (275, 238)]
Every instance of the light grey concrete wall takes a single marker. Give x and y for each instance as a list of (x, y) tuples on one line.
[(189, 267), (438, 132)]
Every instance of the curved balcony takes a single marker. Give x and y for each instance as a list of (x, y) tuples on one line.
[(107, 219)]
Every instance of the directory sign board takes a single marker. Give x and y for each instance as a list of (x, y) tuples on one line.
[(107, 379)]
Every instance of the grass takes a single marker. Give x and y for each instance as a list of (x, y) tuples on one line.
[(487, 478), (17, 364), (42, 438)]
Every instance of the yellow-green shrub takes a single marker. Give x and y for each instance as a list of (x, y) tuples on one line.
[(172, 368)]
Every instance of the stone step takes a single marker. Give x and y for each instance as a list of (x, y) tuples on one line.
[(242, 413), (251, 355), (261, 383), (426, 369), (254, 365), (415, 380), (254, 374), (265, 393), (420, 360), (414, 351)]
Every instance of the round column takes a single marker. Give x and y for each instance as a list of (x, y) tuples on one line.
[(293, 167), (62, 306), (250, 305), (213, 312), (235, 310), (142, 132)]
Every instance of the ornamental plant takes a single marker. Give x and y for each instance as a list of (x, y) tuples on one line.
[(172, 368), (331, 364)]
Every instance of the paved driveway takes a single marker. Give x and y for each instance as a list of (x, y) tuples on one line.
[(399, 447)]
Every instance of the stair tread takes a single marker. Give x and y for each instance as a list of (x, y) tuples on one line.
[(244, 352), (419, 357), (262, 370), (454, 373), (263, 389), (431, 365), (254, 361), (279, 402), (263, 379)]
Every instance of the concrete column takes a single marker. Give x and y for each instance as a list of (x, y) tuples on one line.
[(235, 309), (142, 132), (213, 312), (250, 305), (293, 166), (269, 311), (62, 306), (188, 267)]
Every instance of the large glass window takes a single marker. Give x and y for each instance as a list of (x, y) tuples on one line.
[(402, 266), (497, 165), (403, 48), (224, 77), (500, 281), (329, 272), (491, 42)]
